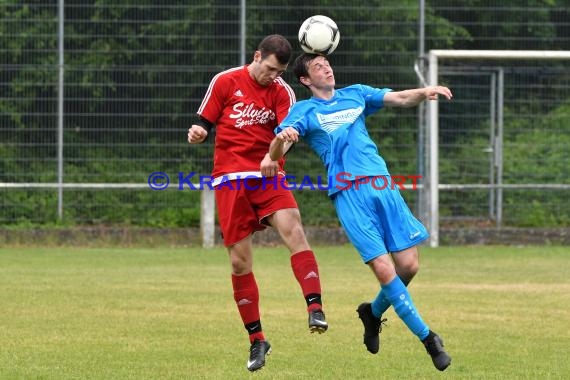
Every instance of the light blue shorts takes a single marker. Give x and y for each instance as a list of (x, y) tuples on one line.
[(377, 221)]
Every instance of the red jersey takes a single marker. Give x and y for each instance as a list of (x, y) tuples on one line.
[(245, 114)]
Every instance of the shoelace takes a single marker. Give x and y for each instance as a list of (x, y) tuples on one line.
[(256, 348), (318, 315), (432, 346), (382, 322)]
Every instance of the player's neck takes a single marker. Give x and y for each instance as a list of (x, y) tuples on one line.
[(250, 70), (323, 93)]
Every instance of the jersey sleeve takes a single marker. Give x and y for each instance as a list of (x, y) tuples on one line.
[(373, 98), (212, 105), (295, 119)]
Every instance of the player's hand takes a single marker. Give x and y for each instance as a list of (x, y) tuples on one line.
[(196, 134), (432, 92), (268, 167), (289, 134)]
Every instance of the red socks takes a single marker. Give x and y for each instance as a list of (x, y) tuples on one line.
[(246, 293), (306, 272), (246, 296)]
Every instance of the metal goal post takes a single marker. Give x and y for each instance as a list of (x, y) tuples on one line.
[(433, 186)]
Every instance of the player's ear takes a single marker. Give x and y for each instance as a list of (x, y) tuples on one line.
[(305, 81), (257, 56)]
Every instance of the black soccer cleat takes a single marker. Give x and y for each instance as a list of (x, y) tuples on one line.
[(434, 346), (372, 327), (257, 352), (317, 321)]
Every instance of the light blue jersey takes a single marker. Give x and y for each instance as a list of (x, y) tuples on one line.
[(376, 220), (336, 130)]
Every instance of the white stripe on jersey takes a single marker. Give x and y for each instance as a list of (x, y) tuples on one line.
[(211, 87), (289, 90)]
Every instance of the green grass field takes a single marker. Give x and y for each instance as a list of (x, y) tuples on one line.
[(504, 313)]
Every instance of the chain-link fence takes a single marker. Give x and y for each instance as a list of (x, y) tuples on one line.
[(134, 74)]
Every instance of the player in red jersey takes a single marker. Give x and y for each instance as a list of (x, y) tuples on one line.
[(246, 104)]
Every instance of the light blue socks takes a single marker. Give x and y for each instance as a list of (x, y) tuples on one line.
[(396, 294), (380, 304)]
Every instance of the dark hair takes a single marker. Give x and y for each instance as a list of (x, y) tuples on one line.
[(301, 65), (278, 45)]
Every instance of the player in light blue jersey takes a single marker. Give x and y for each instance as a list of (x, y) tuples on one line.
[(374, 216)]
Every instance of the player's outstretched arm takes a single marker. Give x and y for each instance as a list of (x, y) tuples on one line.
[(282, 143), (413, 97)]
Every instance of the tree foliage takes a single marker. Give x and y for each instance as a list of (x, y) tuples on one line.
[(113, 71)]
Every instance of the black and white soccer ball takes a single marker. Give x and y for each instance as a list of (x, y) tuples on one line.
[(319, 35)]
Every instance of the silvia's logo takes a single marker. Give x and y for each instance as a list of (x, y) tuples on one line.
[(249, 114)]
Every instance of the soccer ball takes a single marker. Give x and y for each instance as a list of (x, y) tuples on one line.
[(319, 35)]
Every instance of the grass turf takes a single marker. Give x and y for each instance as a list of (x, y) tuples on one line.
[(65, 313)]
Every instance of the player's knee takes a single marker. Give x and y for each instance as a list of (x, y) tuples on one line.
[(413, 267), (294, 237), (241, 264), (239, 267), (408, 270), (383, 269), (293, 231), (298, 231)]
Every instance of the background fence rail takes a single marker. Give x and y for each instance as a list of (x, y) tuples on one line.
[(134, 75)]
